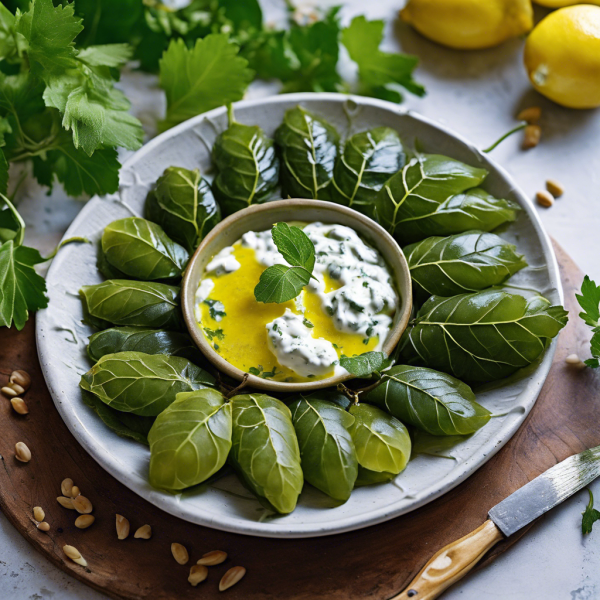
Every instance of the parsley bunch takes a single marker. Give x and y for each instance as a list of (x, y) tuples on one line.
[(589, 300)]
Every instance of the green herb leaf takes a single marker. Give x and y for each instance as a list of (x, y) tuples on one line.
[(3, 174), (381, 74), (364, 364), (467, 262), (590, 515), (429, 400), (207, 76), (22, 289), (589, 300), (280, 283), (106, 55), (190, 440)]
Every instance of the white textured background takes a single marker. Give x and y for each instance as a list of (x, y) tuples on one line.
[(476, 94)]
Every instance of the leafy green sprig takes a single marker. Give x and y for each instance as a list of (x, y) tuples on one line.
[(589, 300), (590, 515)]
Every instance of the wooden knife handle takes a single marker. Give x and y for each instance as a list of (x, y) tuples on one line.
[(451, 563)]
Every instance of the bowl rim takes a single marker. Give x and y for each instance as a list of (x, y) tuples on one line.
[(188, 292)]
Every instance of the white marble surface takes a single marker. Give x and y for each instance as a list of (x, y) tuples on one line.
[(477, 94)]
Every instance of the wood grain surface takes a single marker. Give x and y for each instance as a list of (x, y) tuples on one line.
[(371, 563)]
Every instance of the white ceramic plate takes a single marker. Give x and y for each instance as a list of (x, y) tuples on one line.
[(225, 504)]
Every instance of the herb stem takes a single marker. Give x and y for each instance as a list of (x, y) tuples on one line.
[(239, 388), (520, 126)]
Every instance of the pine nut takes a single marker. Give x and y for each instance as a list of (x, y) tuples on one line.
[(544, 199), (21, 378), (19, 406), (43, 526), (66, 502), (66, 486), (84, 521), (231, 578), (180, 553), (122, 527), (532, 136), (75, 555), (38, 513), (531, 115), (75, 492), (15, 387), (216, 557), (144, 532), (8, 392), (555, 188), (575, 361), (22, 452), (82, 505), (198, 573)]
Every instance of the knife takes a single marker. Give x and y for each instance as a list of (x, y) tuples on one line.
[(535, 498)]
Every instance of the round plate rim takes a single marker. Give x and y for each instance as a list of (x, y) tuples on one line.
[(290, 531)]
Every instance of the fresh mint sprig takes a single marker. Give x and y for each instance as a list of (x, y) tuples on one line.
[(589, 300), (280, 283)]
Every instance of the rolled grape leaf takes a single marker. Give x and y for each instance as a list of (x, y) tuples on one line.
[(265, 451), (425, 182), (247, 167), (483, 336), (124, 424), (473, 209), (190, 440), (382, 442), (143, 384), (136, 303), (182, 203), (106, 269), (368, 160), (307, 147), (429, 400), (148, 341), (367, 477), (141, 249), (463, 263), (326, 449)]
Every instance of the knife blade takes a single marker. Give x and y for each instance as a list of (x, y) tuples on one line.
[(529, 502)]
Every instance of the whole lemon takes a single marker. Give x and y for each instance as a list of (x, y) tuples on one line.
[(562, 56), (469, 24), (561, 3)]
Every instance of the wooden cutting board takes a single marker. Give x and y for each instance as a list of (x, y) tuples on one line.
[(370, 563)]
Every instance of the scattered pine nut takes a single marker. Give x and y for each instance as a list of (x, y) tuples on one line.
[(180, 553), (231, 578), (531, 115), (43, 526), (19, 406), (66, 486), (573, 359), (75, 492), (122, 527), (84, 521), (66, 502), (532, 136), (555, 188), (38, 513), (216, 557), (198, 573), (8, 392), (22, 452), (15, 387), (82, 505), (144, 532), (21, 378), (544, 199), (75, 555)]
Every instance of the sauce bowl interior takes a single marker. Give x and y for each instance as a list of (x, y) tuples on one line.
[(260, 217)]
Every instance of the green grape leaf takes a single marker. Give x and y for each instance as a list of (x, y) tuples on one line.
[(467, 262), (326, 449), (143, 384), (364, 364), (190, 440), (380, 74), (201, 78), (429, 400)]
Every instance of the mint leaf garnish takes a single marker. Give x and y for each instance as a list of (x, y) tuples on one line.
[(280, 283)]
